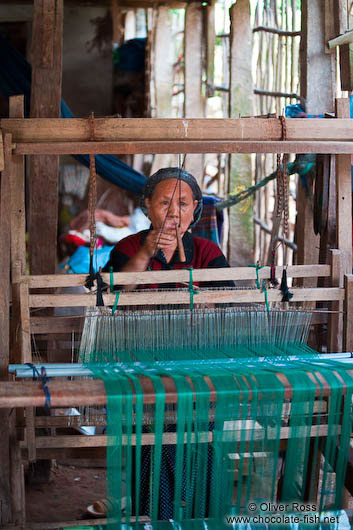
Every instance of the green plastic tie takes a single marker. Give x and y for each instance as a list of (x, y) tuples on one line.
[(264, 290), (111, 280), (191, 289), (117, 294), (258, 267)]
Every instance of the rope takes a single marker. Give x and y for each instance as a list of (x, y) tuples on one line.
[(42, 376), (92, 199)]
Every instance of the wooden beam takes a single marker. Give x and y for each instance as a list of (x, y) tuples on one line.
[(182, 297), (317, 67), (348, 316), (241, 229), (210, 46), (5, 202), (344, 195), (194, 104), (191, 146), (45, 101), (18, 232), (335, 320), (49, 130), (163, 63), (179, 276)]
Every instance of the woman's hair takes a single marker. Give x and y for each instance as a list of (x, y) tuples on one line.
[(173, 173)]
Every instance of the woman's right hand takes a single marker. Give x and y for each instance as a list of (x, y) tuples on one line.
[(156, 240)]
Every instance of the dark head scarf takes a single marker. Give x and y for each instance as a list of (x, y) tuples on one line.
[(173, 173)]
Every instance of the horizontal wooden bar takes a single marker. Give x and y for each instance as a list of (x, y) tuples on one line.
[(185, 146), (48, 130), (43, 325), (236, 430), (183, 297), (177, 276)]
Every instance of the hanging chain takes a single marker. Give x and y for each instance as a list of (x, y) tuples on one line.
[(92, 190), (283, 182)]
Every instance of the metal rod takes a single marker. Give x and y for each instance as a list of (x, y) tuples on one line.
[(81, 370)]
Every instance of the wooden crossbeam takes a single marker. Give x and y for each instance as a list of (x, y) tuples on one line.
[(176, 276), (64, 393), (179, 146), (137, 129), (240, 296)]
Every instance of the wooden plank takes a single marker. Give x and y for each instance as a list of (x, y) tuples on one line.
[(5, 201), (163, 63), (17, 484), (190, 146), (18, 220), (210, 47), (136, 129), (66, 393), (41, 325), (176, 276), (344, 195), (335, 320), (2, 160), (194, 104), (25, 331), (241, 229), (183, 297), (30, 434), (45, 101), (316, 64), (18, 232), (348, 310)]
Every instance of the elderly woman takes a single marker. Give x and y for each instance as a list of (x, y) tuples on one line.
[(171, 198)]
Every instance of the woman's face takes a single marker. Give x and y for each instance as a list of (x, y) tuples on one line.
[(181, 207)]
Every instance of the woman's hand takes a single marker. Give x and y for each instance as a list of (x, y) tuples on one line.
[(166, 241)]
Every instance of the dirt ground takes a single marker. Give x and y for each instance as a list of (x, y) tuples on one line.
[(72, 487)]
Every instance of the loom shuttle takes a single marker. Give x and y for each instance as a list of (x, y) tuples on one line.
[(180, 245)]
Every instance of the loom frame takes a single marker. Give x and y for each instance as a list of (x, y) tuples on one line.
[(56, 136)]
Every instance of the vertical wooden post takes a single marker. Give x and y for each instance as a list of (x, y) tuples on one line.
[(163, 67), (344, 195), (18, 234), (348, 313), (45, 102), (117, 22), (161, 57), (210, 47), (241, 233), (317, 69), (5, 202), (335, 320), (194, 105)]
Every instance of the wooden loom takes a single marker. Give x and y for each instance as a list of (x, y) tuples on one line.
[(47, 136)]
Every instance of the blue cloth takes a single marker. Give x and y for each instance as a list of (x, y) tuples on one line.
[(15, 78), (130, 56), (79, 261)]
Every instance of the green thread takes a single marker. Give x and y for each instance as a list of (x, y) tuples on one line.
[(117, 294), (191, 289), (264, 290), (111, 277), (258, 267)]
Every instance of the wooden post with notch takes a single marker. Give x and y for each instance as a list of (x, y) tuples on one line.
[(344, 195), (193, 98), (5, 201), (335, 320), (45, 102)]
